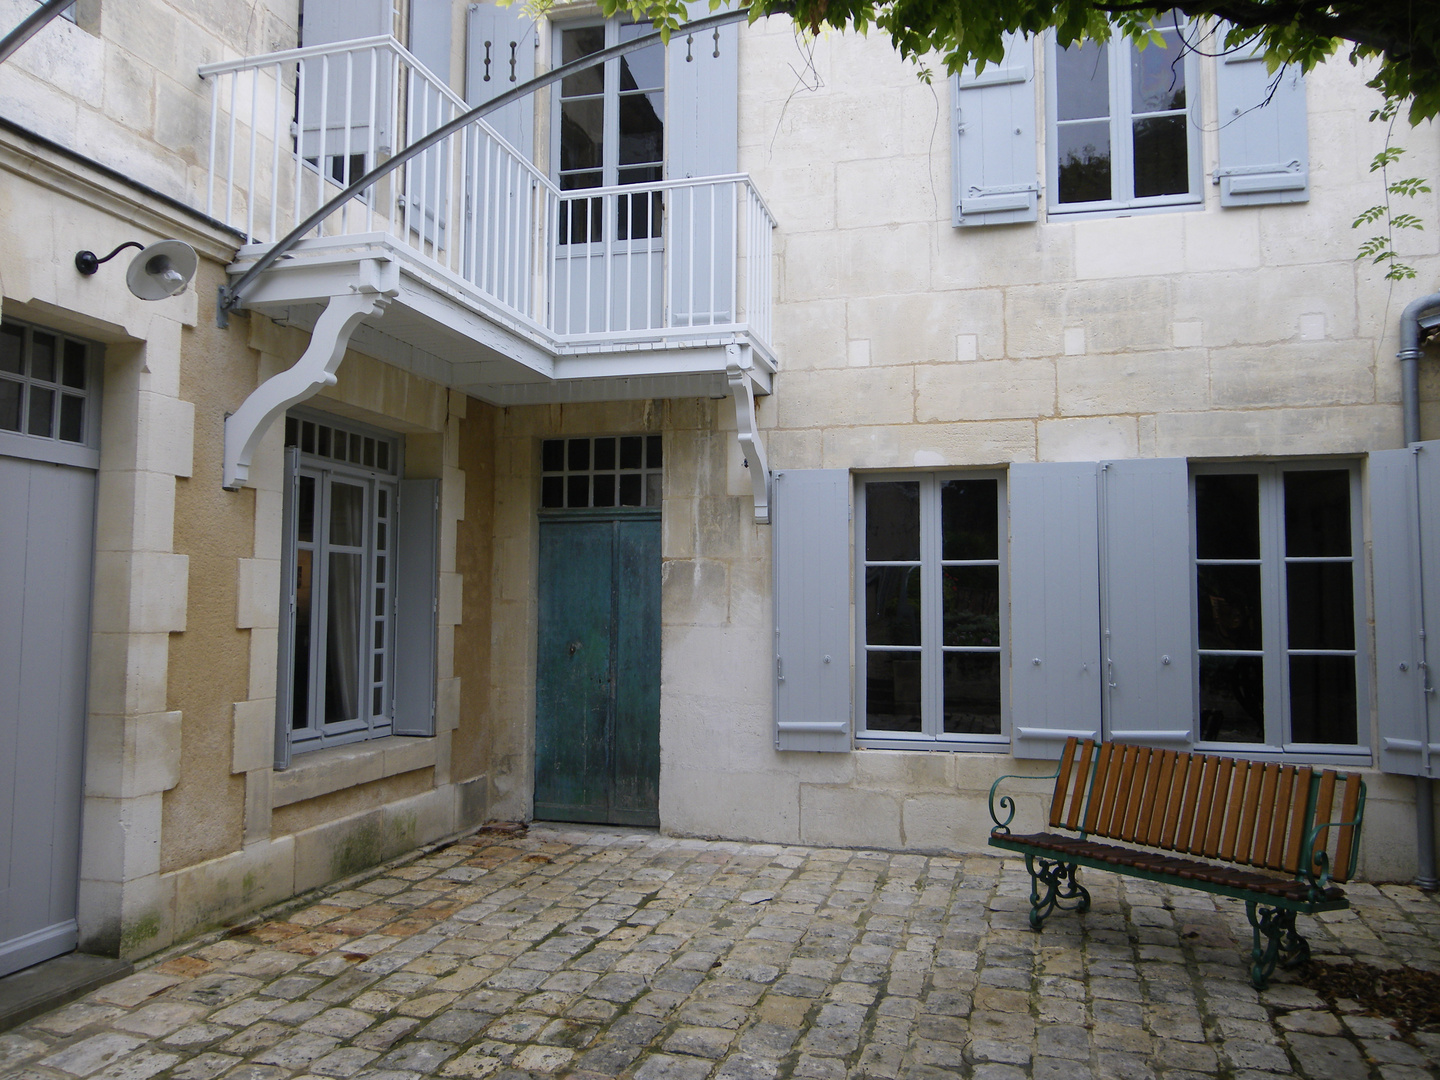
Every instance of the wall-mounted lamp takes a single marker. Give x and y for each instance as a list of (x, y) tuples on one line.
[(160, 270)]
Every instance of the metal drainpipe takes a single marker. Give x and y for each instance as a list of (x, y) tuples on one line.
[(1409, 354)]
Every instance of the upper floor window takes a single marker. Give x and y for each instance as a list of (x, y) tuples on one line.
[(611, 130), (1121, 132), (1122, 129)]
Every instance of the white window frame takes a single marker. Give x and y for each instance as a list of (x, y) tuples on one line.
[(1275, 645), (1122, 164), (50, 446), (378, 592), (932, 651)]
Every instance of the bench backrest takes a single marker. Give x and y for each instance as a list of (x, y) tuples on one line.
[(1248, 812)]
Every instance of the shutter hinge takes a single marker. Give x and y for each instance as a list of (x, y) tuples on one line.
[(779, 669)]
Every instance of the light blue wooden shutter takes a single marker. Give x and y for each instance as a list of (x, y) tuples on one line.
[(702, 101), (1405, 550), (1054, 606), (417, 578), (1264, 146), (285, 673), (1147, 627), (995, 178), (810, 534), (325, 22), (430, 36), (430, 108), (499, 55), (702, 93)]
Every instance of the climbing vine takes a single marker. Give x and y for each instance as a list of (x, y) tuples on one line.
[(1380, 247)]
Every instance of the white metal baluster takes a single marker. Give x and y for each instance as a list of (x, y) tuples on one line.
[(652, 316), (371, 193), (349, 138), (393, 208), (324, 138), (411, 165), (714, 267), (275, 159), (690, 258), (486, 204), (214, 138), (254, 135), (552, 247), (304, 93), (733, 285), (230, 156), (628, 297)]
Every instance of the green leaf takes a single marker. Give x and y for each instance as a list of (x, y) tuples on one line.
[(1375, 213)]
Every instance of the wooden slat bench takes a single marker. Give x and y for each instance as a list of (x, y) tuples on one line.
[(1265, 829)]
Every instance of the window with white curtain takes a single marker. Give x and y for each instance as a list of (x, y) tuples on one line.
[(344, 519)]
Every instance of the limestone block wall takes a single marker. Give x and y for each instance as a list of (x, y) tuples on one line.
[(908, 343), (119, 83)]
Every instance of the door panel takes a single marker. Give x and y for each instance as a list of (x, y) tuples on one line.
[(46, 541), (597, 701), (636, 787)]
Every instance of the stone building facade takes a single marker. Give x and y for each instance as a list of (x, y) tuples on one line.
[(497, 560)]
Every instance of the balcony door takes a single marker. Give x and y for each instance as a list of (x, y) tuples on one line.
[(610, 135)]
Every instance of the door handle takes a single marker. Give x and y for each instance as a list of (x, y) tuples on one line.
[(573, 647)]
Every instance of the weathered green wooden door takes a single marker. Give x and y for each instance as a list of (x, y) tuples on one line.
[(597, 694)]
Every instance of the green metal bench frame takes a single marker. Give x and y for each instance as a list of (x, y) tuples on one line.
[(1231, 812)]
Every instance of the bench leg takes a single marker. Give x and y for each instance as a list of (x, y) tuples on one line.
[(1281, 944), (1061, 888)]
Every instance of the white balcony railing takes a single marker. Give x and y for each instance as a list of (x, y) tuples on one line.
[(290, 130)]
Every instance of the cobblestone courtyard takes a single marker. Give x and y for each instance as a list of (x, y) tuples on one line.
[(609, 952)]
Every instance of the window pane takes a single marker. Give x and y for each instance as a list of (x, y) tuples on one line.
[(347, 509), (1157, 76), (10, 395), (631, 491), (1082, 81), (577, 43), (972, 693), (1317, 513), (1232, 699), (892, 605), (42, 356), (653, 491), (645, 68), (892, 521), (74, 375), (582, 134), (552, 455), (579, 454), (642, 128), (604, 490), (300, 668), (1229, 607), (969, 519), (1227, 516), (1162, 156), (604, 453), (892, 691), (632, 448), (11, 340), (342, 637), (42, 405), (552, 491), (1322, 700), (1321, 599), (654, 451), (305, 510), (1084, 162), (577, 491), (72, 418), (972, 605)]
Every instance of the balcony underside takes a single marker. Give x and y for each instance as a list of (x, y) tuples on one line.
[(441, 328)]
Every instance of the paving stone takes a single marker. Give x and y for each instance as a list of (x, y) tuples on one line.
[(1330, 1058), (671, 1067), (204, 1067), (92, 1054)]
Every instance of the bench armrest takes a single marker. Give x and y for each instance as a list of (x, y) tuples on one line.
[(1321, 858), (1006, 803)]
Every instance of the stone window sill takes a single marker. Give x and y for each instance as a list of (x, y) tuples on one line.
[(322, 771)]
